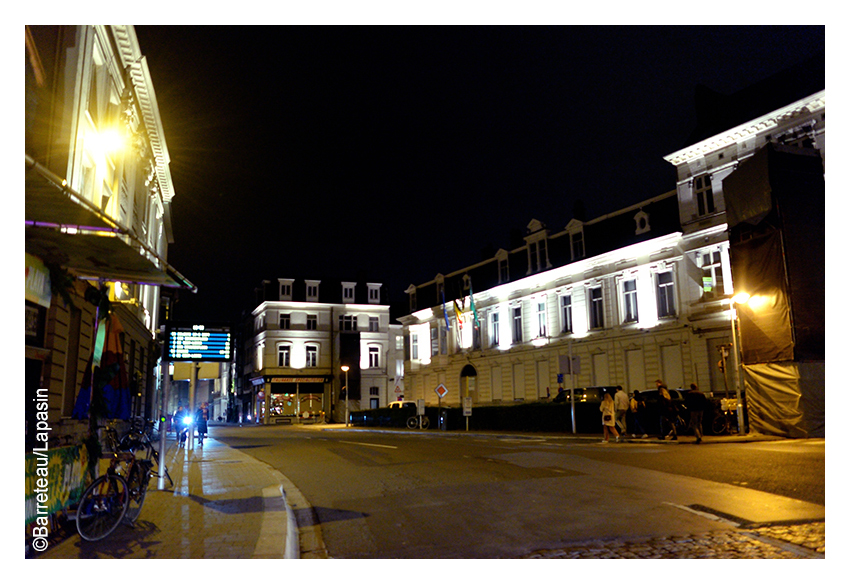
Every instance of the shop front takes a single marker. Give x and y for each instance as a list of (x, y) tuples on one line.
[(291, 400)]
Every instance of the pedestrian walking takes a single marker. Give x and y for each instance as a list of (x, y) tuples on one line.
[(608, 423), (668, 412), (621, 408), (201, 422), (637, 405), (695, 402)]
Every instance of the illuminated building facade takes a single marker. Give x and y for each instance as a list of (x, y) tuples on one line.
[(98, 220), (303, 332), (638, 294)]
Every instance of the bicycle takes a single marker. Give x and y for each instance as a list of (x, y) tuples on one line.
[(726, 420), (117, 495), (137, 439), (413, 422)]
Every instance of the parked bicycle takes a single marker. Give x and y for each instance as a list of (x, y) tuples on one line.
[(117, 495), (726, 420), (138, 438), (413, 422)]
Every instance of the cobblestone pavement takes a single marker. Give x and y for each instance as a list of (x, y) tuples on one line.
[(768, 542)]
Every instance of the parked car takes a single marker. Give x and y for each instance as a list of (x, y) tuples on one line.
[(396, 414)]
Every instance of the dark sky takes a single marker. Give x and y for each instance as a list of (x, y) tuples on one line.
[(396, 153)]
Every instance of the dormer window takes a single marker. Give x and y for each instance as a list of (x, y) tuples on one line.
[(575, 228), (374, 293), (504, 271), (348, 292), (313, 290), (577, 245), (538, 250), (285, 289), (411, 291)]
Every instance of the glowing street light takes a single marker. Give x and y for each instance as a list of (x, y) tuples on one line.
[(345, 368), (739, 298)]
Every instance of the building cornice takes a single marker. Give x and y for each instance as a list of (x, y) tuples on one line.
[(799, 109)]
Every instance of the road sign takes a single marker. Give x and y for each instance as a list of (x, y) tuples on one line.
[(441, 390), (467, 406)]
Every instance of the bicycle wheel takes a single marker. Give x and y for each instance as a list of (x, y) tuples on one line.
[(161, 466), (137, 483), (425, 422), (718, 426), (102, 507), (412, 422)]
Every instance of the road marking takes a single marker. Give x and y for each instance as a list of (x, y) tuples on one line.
[(369, 444)]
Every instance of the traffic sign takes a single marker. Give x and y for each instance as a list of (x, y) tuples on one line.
[(441, 390)]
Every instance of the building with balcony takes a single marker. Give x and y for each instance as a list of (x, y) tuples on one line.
[(301, 334), (623, 299), (98, 196)]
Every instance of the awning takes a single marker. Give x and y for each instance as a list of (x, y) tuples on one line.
[(64, 228)]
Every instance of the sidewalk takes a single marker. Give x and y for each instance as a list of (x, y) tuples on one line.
[(223, 504)]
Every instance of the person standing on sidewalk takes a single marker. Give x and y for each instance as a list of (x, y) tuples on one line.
[(695, 402), (608, 423), (638, 408), (621, 408)]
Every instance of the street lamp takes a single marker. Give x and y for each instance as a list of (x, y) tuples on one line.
[(739, 298), (345, 368)]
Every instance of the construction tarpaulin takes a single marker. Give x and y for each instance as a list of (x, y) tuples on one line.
[(775, 203), (773, 399)]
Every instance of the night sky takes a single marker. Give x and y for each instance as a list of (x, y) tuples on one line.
[(392, 154)]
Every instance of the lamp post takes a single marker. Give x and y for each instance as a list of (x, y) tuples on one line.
[(739, 298), (345, 368)]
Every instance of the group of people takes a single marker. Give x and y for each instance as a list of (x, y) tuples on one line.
[(199, 420), (615, 409)]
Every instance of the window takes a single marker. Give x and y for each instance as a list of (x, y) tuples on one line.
[(503, 271), (597, 320), (577, 245), (494, 329), (347, 322), (374, 391), (374, 325), (630, 305), (374, 357), (414, 346), (566, 314), (285, 289), (374, 293), (712, 274), (541, 319), (312, 322), (435, 341), (703, 195), (517, 321), (312, 290), (312, 356), (347, 292), (285, 321), (283, 356), (666, 304)]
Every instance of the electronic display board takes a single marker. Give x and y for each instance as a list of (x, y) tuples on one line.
[(199, 342)]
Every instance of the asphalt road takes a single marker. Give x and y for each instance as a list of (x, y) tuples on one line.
[(437, 495)]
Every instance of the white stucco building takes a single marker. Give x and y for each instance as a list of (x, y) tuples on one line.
[(623, 299), (303, 332)]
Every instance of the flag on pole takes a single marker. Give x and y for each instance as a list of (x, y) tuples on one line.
[(475, 321), (458, 315), (445, 312)]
